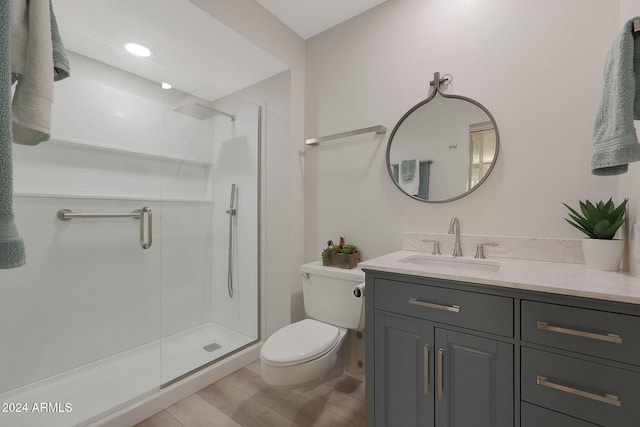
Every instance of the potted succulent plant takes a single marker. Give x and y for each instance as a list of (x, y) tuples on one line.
[(600, 222), (342, 255)]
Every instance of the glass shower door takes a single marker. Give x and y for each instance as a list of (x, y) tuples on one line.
[(210, 233)]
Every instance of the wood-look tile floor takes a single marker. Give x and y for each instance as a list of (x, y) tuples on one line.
[(243, 399)]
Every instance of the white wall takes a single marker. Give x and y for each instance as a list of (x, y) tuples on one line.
[(536, 65), (629, 181)]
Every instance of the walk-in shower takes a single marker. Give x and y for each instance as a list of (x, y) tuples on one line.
[(141, 224)]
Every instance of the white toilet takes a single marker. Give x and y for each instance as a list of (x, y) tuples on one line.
[(309, 351)]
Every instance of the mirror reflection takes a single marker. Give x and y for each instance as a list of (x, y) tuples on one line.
[(443, 148)]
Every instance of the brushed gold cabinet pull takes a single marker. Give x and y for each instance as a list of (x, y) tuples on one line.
[(451, 308), (425, 366), (440, 374), (610, 399), (608, 337)]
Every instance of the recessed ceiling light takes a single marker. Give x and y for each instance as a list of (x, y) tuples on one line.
[(137, 49), (166, 85)]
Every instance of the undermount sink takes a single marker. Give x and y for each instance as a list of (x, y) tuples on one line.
[(458, 263)]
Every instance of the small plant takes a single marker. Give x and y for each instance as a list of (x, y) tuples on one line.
[(341, 248), (599, 221)]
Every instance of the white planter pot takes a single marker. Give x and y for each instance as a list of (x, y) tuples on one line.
[(600, 254)]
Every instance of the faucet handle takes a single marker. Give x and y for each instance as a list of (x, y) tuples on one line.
[(436, 246), (480, 249)]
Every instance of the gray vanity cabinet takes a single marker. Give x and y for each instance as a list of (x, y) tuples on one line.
[(432, 365), (451, 354)]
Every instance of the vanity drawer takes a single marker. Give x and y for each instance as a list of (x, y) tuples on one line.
[(487, 313), (535, 416), (599, 333), (593, 392)]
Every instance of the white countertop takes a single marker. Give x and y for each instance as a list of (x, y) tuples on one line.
[(540, 276)]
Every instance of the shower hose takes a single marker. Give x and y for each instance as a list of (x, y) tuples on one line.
[(232, 213)]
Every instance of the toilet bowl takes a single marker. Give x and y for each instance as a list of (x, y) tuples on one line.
[(301, 353), (310, 351)]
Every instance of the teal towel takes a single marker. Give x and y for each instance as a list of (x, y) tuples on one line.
[(12, 252), (60, 61), (615, 142), (407, 170), (32, 64)]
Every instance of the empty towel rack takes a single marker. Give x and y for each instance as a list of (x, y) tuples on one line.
[(379, 129), (68, 215)]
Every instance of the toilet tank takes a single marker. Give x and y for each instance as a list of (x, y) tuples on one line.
[(328, 295)]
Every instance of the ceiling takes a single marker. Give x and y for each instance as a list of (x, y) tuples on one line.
[(310, 17), (191, 50)]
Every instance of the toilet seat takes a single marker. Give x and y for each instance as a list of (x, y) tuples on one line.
[(300, 342)]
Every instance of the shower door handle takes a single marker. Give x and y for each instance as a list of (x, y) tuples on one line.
[(146, 244)]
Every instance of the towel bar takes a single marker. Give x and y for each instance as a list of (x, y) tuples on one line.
[(379, 129)]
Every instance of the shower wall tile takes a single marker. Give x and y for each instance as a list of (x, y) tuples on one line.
[(102, 108), (88, 290), (119, 109), (186, 266), (105, 107)]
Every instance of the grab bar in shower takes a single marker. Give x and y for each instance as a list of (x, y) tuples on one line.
[(68, 215)]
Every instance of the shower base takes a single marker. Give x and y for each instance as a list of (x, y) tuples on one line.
[(84, 394), (185, 351)]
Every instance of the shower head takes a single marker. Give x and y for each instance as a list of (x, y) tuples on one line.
[(201, 112)]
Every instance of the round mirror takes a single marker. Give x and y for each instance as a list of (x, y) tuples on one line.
[(443, 148)]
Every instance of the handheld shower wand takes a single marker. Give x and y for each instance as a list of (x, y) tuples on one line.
[(232, 209), (231, 212)]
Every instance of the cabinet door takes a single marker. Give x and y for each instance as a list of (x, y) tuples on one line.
[(474, 381), (403, 372)]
